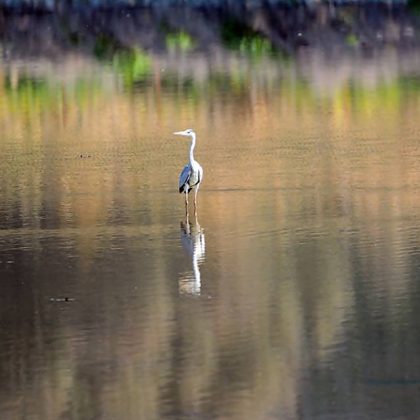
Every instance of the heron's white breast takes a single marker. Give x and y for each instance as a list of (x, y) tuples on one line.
[(195, 175)]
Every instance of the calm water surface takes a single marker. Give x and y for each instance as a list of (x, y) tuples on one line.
[(294, 294)]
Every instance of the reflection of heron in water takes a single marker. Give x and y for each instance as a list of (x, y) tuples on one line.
[(192, 239)]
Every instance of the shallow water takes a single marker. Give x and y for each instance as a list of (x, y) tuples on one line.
[(293, 294)]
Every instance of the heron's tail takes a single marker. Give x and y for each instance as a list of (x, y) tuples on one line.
[(184, 188)]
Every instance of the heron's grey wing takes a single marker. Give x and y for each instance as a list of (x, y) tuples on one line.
[(184, 177)]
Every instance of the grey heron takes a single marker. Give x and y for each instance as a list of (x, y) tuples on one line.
[(192, 174)]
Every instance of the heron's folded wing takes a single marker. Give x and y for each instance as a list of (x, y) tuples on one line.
[(185, 176)]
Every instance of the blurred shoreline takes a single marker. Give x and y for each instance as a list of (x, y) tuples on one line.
[(261, 28), (324, 45)]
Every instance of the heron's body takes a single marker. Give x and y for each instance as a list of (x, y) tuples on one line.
[(192, 174), (190, 177)]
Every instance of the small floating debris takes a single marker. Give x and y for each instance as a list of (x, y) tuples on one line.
[(62, 299), (6, 262)]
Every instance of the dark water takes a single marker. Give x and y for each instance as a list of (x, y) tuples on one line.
[(294, 294)]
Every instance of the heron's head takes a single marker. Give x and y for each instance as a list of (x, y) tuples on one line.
[(187, 132)]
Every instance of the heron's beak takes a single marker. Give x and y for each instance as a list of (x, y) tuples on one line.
[(180, 133)]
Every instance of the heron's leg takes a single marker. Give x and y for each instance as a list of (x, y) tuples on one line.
[(195, 198), (186, 201)]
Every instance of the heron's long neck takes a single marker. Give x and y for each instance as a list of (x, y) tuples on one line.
[(192, 149)]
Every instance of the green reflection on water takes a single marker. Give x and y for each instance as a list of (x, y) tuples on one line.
[(22, 89), (352, 40), (179, 40), (27, 86), (134, 66), (30, 94)]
